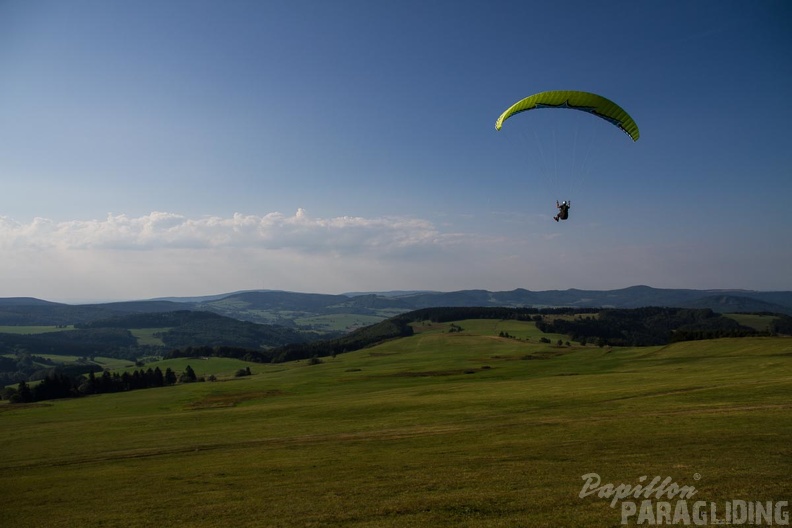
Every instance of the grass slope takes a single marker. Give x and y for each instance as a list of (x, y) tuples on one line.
[(438, 429), (33, 329), (760, 323)]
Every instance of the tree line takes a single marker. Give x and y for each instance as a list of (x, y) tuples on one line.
[(389, 329), (58, 385), (616, 327), (647, 326), (28, 367), (782, 325)]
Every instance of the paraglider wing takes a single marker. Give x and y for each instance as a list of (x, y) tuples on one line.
[(584, 101)]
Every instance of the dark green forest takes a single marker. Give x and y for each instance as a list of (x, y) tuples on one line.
[(112, 337), (647, 326), (368, 336), (193, 328), (61, 385)]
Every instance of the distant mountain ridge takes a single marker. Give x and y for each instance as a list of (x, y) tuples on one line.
[(304, 310)]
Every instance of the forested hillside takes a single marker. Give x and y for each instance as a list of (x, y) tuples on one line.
[(28, 356), (646, 326), (194, 328), (187, 333), (637, 327), (361, 338), (328, 314)]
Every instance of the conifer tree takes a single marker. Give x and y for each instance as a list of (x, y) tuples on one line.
[(158, 378)]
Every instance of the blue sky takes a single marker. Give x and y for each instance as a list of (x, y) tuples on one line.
[(157, 148)]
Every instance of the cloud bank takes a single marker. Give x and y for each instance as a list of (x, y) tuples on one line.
[(163, 254), (167, 254), (387, 236)]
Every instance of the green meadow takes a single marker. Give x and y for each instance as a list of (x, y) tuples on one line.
[(149, 336), (8, 329), (337, 322), (462, 429), (755, 321)]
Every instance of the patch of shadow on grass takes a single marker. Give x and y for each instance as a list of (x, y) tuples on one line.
[(21, 406), (224, 401), (546, 354), (435, 373), (660, 393), (500, 358)]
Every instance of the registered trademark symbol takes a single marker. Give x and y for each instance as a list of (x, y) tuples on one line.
[(697, 476)]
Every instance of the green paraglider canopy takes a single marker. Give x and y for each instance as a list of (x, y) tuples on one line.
[(587, 102)]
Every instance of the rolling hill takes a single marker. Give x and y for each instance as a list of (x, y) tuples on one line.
[(268, 305), (134, 335), (326, 313), (440, 428)]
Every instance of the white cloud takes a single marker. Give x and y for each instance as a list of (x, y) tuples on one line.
[(163, 254), (159, 254), (160, 230)]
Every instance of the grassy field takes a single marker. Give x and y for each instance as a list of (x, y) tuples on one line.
[(146, 336), (7, 329), (337, 323), (757, 322), (463, 429), (219, 367)]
